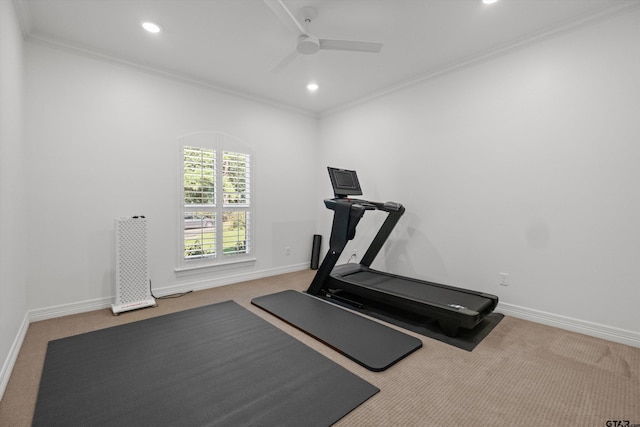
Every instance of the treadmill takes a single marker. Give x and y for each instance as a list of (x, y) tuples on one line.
[(358, 285)]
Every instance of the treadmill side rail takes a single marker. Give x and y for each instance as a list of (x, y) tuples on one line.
[(448, 304)]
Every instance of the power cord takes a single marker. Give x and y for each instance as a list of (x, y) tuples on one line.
[(176, 295)]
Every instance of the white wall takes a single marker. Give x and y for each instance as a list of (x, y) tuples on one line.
[(102, 142), (13, 307), (527, 163)]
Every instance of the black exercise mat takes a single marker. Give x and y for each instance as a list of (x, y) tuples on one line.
[(369, 343), (467, 339), (218, 365)]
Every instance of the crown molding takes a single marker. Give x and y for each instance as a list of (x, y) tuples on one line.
[(24, 16), (57, 44), (557, 30)]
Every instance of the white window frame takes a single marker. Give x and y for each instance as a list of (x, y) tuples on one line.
[(219, 143)]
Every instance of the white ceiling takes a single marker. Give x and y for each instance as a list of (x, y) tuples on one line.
[(235, 44)]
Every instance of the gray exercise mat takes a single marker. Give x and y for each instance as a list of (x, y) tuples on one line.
[(217, 365), (371, 344)]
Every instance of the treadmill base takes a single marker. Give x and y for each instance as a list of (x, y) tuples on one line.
[(466, 339)]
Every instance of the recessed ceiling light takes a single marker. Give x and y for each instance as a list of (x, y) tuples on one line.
[(151, 27), (489, 1), (312, 87)]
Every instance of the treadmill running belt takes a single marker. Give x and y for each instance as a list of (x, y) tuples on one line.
[(416, 290), (365, 341)]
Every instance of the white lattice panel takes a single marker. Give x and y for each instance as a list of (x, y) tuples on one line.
[(132, 275)]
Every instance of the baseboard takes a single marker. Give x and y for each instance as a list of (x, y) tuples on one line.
[(214, 282), (10, 361), (623, 336), (609, 333), (193, 285), (67, 309), (105, 303)]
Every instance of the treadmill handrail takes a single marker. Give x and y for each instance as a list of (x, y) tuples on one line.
[(367, 204), (347, 214), (394, 213)]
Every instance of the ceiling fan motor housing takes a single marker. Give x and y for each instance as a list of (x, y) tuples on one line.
[(308, 45)]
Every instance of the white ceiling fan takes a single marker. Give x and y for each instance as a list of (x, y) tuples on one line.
[(307, 43)]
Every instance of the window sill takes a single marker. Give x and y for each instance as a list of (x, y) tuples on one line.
[(221, 266)]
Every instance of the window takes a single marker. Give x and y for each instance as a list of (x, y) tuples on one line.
[(215, 200)]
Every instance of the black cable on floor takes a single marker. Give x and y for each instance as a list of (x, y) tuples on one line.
[(176, 295)]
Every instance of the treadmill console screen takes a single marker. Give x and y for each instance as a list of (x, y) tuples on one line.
[(345, 182)]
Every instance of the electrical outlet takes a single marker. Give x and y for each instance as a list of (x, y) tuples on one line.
[(504, 279), (287, 250)]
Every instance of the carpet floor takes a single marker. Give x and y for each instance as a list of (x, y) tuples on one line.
[(522, 374)]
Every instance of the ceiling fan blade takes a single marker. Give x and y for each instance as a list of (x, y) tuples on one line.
[(355, 46), (285, 16), (285, 62)]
